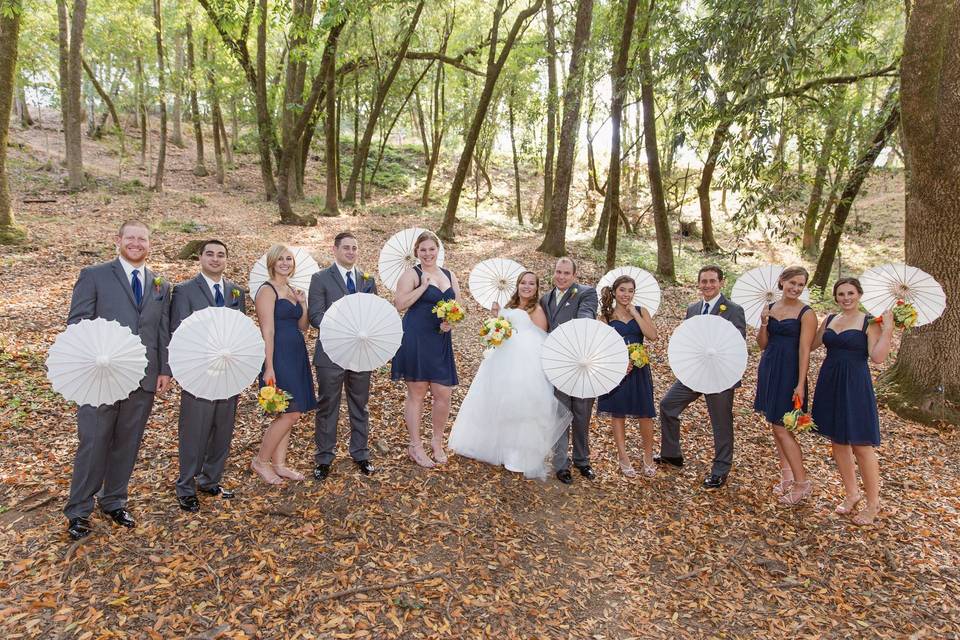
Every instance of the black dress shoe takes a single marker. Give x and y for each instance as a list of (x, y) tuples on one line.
[(217, 490), (715, 481), (366, 467), (564, 476), (677, 462), (79, 528), (586, 472), (189, 503), (321, 472), (122, 517)]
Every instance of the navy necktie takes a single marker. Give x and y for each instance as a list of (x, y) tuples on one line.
[(706, 308), (137, 287), (351, 287), (217, 295)]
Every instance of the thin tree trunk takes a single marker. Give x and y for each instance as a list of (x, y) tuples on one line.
[(852, 188), (808, 244), (199, 167), (162, 151), (107, 101), (331, 206), (142, 112), (438, 113), (554, 241), (516, 162), (73, 126), (383, 88), (23, 109), (10, 233), (551, 125), (176, 136), (703, 189), (226, 141), (264, 122), (63, 45), (219, 139)]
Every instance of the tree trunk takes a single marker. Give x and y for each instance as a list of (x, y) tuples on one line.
[(438, 126), (142, 112), (10, 233), (852, 188), (925, 379), (808, 245), (703, 189), (516, 162), (661, 222), (23, 109), (331, 206), (199, 167), (63, 44), (162, 97), (618, 84), (107, 101), (73, 125), (554, 240), (383, 88), (219, 139), (551, 126), (226, 141), (264, 122), (385, 133), (495, 62), (176, 136)]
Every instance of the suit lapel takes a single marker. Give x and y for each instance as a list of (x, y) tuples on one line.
[(716, 308), (335, 274), (124, 283), (202, 284)]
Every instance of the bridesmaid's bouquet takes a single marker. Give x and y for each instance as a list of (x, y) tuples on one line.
[(904, 315), (494, 331), (638, 355), (449, 311), (797, 421), (273, 400)]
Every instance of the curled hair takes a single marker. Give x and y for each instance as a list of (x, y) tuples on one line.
[(790, 272), (851, 281), (423, 237), (607, 296), (710, 267), (273, 255), (515, 303)]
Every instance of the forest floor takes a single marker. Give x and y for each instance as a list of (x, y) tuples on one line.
[(480, 551)]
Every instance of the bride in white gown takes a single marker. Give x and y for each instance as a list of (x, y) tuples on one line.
[(510, 415)]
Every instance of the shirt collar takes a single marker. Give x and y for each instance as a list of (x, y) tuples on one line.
[(713, 302), (210, 283), (343, 271), (129, 269)]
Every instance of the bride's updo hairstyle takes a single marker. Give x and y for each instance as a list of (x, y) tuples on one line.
[(607, 299), (514, 302)]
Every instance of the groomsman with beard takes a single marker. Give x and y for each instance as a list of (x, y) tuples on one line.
[(566, 301), (205, 428), (326, 287), (127, 291)]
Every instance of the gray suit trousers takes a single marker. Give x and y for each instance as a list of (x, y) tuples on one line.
[(110, 438), (205, 431), (582, 408), (720, 407), (331, 381)]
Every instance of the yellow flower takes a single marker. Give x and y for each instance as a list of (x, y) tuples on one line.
[(366, 276), (789, 419), (267, 393), (723, 308)]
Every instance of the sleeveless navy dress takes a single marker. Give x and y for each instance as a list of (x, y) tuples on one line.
[(779, 369), (291, 364), (426, 353), (633, 397), (844, 404)]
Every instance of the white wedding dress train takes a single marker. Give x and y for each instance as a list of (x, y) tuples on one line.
[(510, 416)]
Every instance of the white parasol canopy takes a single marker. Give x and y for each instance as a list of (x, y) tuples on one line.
[(96, 362), (647, 293), (707, 354), (494, 280), (397, 255), (361, 332), (584, 358), (216, 353), (884, 285), (757, 288), (305, 267)]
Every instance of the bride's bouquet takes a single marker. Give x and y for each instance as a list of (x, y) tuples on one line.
[(449, 311), (638, 355), (494, 331)]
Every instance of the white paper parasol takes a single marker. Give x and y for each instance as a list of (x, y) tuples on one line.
[(305, 267), (584, 358), (757, 288), (397, 255), (884, 285), (707, 354), (216, 353), (96, 362), (494, 280), (647, 293), (361, 332)]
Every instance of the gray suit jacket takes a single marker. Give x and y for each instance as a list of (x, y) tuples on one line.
[(194, 295), (326, 287), (579, 301), (103, 291)]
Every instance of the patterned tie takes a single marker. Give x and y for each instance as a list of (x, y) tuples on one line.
[(706, 308), (351, 287), (137, 287), (217, 295), (557, 297)]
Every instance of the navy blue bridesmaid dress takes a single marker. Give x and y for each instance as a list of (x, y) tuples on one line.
[(426, 353), (633, 397), (291, 364), (779, 369), (844, 403)]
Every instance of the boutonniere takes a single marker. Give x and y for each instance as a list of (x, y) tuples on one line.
[(574, 292), (366, 276), (723, 308), (235, 294), (157, 283)]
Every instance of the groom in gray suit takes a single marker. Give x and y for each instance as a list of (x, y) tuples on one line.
[(326, 287), (127, 291), (566, 301), (205, 428), (719, 405)]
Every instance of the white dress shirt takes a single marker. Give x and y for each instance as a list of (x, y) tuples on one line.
[(343, 274), (713, 303), (213, 292), (129, 269), (558, 295)]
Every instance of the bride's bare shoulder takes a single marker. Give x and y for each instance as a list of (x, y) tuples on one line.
[(538, 317)]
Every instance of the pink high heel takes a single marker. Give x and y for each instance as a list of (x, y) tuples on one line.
[(798, 491), (845, 508)]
